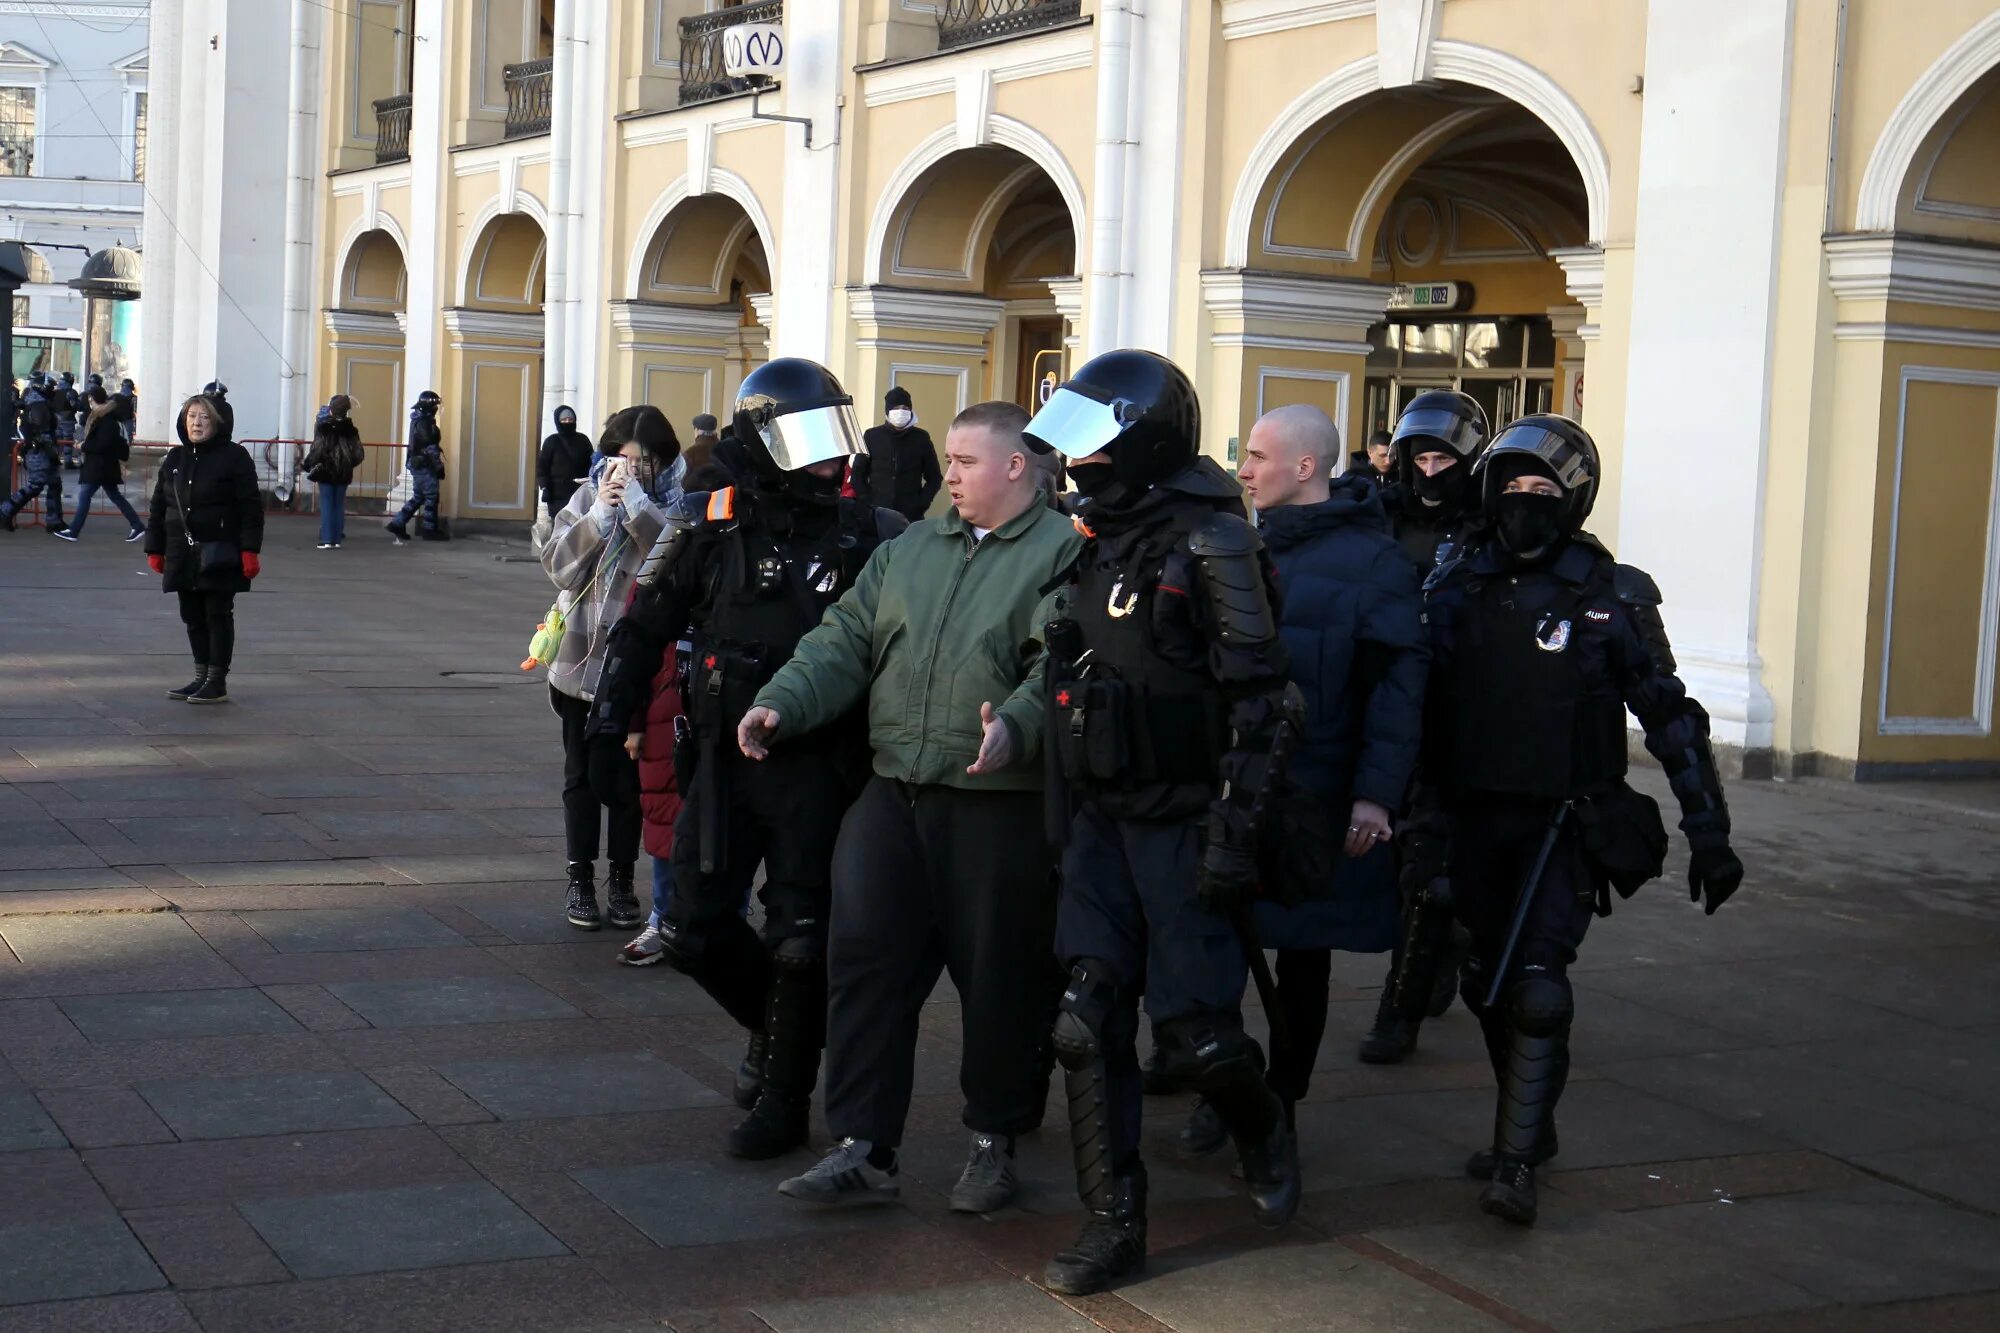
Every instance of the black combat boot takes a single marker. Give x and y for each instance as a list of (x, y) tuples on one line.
[(1112, 1242), (795, 1030), (582, 892), (214, 687), (621, 899), (750, 1074), (1392, 1038), (1537, 1065), (200, 675), (397, 530)]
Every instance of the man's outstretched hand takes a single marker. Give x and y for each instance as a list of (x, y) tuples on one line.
[(754, 733), (996, 748)]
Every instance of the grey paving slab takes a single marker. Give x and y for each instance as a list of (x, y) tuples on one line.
[(150, 1016), (712, 1202), (381, 826), (104, 942), (977, 1307), (73, 856), (39, 881), (93, 754), (528, 923), (344, 930), (1864, 1245), (400, 1004), (69, 1260), (254, 874), (1957, 1065), (253, 1105), (598, 1084), (313, 786), (24, 1125), (1639, 1276), (1968, 1173), (1295, 1289), (149, 832), (416, 1226), (492, 869)]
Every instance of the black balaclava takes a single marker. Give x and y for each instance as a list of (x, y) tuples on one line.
[(1098, 483), (1528, 526), (1446, 490), (565, 420)]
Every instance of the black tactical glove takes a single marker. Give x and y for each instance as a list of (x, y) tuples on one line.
[(614, 778), (1716, 872), (1228, 872)]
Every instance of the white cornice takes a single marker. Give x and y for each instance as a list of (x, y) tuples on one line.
[(1879, 331), (1293, 298), (942, 312), (365, 323), (723, 117), (653, 317), (1902, 268), (463, 323), (67, 9), (763, 305), (1252, 18), (1583, 273), (1021, 58)]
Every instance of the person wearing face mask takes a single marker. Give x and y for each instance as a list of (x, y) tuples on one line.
[(745, 572), (425, 461), (1167, 689), (1438, 439), (1540, 642), (903, 472), (595, 548), (562, 462)]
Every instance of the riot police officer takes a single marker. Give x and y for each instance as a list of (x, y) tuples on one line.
[(425, 461), (1540, 642), (1165, 677), (749, 569), (1438, 441)]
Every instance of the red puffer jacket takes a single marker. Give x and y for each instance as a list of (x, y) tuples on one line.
[(659, 795)]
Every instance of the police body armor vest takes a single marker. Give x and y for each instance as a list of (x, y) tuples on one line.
[(1142, 709), (1526, 717)]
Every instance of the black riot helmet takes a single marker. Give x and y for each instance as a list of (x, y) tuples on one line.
[(1136, 404), (792, 413), (428, 402), (215, 389), (1552, 446), (1439, 421)]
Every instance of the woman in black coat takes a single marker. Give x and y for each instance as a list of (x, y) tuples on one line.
[(207, 527), (105, 450)]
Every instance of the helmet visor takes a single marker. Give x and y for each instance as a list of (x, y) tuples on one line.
[(1451, 430), (1569, 463), (800, 439), (1074, 424)]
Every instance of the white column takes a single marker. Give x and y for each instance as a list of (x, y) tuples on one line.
[(1703, 317), (1153, 187), (427, 288), (302, 162), (562, 134), (1109, 274), (590, 141), (808, 243), (154, 368)]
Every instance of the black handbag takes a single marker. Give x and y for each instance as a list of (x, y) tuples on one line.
[(212, 559)]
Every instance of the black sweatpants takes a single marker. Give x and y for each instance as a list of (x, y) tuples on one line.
[(210, 618), (581, 809), (929, 879)]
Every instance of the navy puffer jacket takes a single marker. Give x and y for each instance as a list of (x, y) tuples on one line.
[(1352, 618)]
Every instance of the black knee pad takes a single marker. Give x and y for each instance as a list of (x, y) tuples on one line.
[(1539, 1005), (1086, 1003), (798, 953)]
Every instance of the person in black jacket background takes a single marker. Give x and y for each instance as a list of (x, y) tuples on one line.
[(41, 464), (330, 465), (563, 462), (104, 453), (206, 509), (903, 472)]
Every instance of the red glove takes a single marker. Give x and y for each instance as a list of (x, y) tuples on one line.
[(157, 563), (252, 566)]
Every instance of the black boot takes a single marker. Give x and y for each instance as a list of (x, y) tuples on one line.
[(1112, 1242), (1392, 1038), (795, 1030), (1537, 1066), (583, 897), (214, 687), (621, 900), (397, 530), (750, 1074), (1255, 1117), (200, 675)]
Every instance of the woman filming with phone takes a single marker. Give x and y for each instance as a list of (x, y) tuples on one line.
[(594, 551)]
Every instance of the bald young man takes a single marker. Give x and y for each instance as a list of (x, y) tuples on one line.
[(1351, 621)]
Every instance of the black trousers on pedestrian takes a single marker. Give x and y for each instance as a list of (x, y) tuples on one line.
[(582, 811), (929, 879), (1303, 977), (210, 618)]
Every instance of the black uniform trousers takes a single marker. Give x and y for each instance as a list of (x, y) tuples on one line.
[(929, 879), (582, 811), (783, 814), (1494, 842), (1128, 900)]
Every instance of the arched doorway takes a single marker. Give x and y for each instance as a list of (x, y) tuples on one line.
[(1409, 239), (1916, 435), (972, 290), (696, 313), (491, 426), (366, 320)]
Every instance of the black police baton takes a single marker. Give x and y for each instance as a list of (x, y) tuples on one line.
[(1291, 722), (1526, 900)]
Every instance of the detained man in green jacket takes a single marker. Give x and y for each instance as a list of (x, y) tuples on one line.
[(942, 863)]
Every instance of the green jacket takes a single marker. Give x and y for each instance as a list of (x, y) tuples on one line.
[(934, 627)]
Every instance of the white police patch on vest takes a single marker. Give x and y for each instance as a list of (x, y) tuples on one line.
[(1551, 639)]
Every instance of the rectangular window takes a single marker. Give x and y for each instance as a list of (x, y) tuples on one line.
[(17, 131), (21, 311), (138, 136)]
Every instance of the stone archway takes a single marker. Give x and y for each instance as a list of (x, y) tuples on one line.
[(492, 426)]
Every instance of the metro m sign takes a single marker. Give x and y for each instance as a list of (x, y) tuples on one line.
[(753, 50)]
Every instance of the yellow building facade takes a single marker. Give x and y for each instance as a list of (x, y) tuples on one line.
[(1754, 247)]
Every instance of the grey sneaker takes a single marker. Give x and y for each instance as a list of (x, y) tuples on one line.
[(988, 1182), (843, 1176)]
